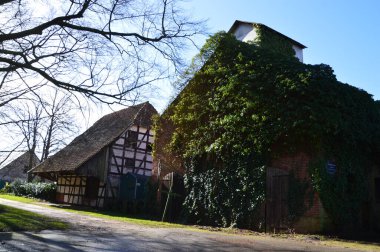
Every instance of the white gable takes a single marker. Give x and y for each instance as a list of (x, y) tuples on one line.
[(247, 32)]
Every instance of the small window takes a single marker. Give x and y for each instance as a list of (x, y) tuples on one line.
[(132, 137), (377, 190), (92, 187), (149, 147), (129, 163)]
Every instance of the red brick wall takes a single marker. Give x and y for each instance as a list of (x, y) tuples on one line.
[(299, 164)]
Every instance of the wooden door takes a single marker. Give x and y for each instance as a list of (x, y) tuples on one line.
[(277, 200)]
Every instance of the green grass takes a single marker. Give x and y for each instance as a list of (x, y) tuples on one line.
[(352, 245), (13, 219), (18, 198), (100, 214), (110, 215)]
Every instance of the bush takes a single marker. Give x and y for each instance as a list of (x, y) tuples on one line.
[(38, 190)]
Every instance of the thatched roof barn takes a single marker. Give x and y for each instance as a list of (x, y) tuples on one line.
[(105, 131), (88, 171)]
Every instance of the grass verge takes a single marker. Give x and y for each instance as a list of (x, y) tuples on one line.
[(13, 219), (110, 215), (95, 213), (352, 245), (18, 198)]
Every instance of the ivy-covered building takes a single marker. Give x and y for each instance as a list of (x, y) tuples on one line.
[(267, 142)]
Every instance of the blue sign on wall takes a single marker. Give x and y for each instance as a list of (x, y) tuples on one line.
[(330, 168)]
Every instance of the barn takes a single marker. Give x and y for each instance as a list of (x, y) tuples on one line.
[(18, 168), (96, 168)]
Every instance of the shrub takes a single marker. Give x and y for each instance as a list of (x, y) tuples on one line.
[(38, 190)]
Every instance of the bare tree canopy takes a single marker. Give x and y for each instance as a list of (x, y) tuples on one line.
[(105, 49), (38, 125)]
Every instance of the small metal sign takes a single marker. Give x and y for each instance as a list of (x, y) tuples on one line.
[(330, 167)]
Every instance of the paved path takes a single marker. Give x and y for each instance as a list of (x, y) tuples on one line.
[(96, 234)]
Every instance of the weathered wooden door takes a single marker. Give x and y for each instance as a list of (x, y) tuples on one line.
[(277, 199)]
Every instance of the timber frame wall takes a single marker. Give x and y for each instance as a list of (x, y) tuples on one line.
[(72, 189), (130, 153)]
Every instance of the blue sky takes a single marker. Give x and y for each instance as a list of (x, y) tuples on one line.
[(342, 34)]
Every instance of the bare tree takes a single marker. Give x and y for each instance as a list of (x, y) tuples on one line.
[(60, 124), (105, 49), (27, 122), (40, 125)]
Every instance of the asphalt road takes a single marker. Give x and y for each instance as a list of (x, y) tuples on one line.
[(96, 234)]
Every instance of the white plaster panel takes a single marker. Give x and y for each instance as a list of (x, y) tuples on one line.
[(142, 145), (120, 141), (140, 156), (129, 154), (116, 161), (151, 139), (116, 147), (140, 151), (114, 169), (298, 52), (142, 129), (118, 152), (148, 166), (245, 33)]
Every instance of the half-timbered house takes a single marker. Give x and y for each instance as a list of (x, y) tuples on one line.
[(93, 168)]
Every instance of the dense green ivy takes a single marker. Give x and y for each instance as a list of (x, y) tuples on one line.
[(247, 105), (272, 40), (228, 196), (300, 198), (342, 193)]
